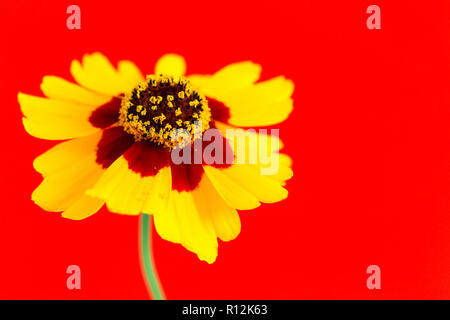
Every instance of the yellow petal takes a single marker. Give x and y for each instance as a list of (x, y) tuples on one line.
[(83, 208), (234, 76), (98, 74), (54, 119), (158, 197), (260, 186), (123, 192), (262, 148), (65, 154), (263, 93), (61, 89), (130, 73), (225, 219), (107, 183), (59, 191), (126, 192), (233, 194), (171, 64), (63, 186), (265, 103), (182, 222), (140, 194), (198, 81), (251, 104), (284, 172), (166, 220), (55, 131), (262, 116)]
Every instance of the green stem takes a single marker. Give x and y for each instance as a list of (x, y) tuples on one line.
[(147, 260)]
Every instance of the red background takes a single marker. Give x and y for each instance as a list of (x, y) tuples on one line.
[(369, 136)]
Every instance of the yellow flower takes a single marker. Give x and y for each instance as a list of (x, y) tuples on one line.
[(119, 129)]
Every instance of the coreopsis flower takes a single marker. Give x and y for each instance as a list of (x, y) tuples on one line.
[(120, 129)]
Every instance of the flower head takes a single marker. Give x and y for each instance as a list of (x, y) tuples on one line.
[(122, 131)]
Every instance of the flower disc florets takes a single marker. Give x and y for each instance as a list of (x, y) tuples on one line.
[(162, 107)]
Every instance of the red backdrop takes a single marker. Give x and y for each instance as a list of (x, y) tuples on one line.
[(369, 136)]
